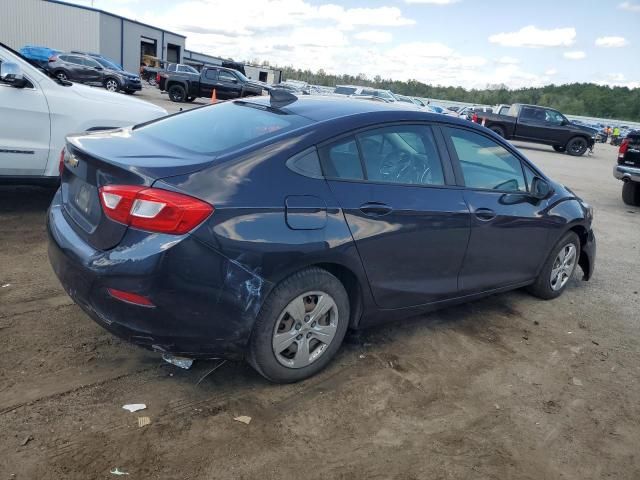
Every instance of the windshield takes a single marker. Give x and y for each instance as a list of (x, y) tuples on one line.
[(106, 63), (345, 90), (221, 128)]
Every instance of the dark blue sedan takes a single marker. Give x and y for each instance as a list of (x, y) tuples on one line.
[(265, 228)]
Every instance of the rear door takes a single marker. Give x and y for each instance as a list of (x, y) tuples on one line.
[(76, 67), (208, 81), (509, 230), (409, 224), (530, 124)]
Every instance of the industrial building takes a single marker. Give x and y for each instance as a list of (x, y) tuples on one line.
[(65, 26)]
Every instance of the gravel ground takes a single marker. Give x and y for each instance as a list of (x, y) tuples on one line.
[(506, 387)]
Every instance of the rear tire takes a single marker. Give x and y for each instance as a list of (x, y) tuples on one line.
[(497, 130), (559, 148), (631, 193), (577, 146), (177, 93), (286, 347), (556, 269)]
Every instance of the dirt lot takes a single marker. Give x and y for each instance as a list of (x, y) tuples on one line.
[(509, 387)]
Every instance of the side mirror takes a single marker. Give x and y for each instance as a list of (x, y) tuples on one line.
[(540, 188), (11, 73)]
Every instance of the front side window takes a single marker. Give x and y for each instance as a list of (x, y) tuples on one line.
[(485, 164), (227, 77), (404, 154), (553, 117)]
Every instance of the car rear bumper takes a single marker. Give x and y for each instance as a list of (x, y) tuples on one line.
[(204, 304), (623, 172)]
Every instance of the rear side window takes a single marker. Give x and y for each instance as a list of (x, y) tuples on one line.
[(341, 160), (221, 128), (405, 154), (211, 74), (485, 164)]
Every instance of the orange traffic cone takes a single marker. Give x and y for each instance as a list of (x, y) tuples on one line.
[(214, 99)]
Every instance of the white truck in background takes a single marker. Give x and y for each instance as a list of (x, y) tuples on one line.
[(37, 112)]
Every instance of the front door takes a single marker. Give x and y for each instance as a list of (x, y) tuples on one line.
[(24, 130), (509, 229), (410, 228)]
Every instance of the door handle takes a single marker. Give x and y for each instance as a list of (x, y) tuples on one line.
[(485, 214), (374, 209)]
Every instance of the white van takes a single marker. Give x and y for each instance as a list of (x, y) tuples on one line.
[(37, 112)]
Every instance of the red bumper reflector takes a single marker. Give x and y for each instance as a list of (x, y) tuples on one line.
[(129, 297)]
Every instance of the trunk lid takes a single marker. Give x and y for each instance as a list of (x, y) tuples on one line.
[(113, 157)]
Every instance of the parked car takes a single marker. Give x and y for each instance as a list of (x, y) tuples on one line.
[(544, 125), (228, 84), (352, 90), (264, 228), (628, 168), (38, 110), (129, 82), (181, 68), (39, 55), (466, 113), (501, 109), (453, 108), (85, 69)]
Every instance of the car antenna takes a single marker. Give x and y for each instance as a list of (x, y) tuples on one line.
[(281, 98)]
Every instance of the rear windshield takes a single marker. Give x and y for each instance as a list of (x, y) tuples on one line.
[(221, 128)]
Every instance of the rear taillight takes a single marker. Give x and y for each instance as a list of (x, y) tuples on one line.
[(53, 58), (61, 164), (157, 78), (153, 209), (624, 146)]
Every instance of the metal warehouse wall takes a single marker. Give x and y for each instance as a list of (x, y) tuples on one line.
[(110, 40), (34, 22)]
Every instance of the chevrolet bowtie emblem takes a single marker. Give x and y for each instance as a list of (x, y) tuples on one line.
[(72, 161)]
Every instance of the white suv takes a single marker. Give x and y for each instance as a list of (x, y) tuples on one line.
[(37, 112)]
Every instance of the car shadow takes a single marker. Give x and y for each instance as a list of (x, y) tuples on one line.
[(25, 198)]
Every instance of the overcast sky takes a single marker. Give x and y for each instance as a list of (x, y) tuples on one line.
[(470, 43)]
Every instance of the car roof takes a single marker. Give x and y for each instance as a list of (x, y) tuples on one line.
[(322, 108)]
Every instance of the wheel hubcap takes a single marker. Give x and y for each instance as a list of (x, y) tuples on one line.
[(112, 86), (563, 267), (305, 329)]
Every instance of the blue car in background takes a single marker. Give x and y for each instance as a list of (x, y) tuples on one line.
[(39, 55)]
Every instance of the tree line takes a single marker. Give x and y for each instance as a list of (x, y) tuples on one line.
[(586, 99)]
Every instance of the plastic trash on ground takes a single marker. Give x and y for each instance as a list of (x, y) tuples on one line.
[(182, 362), (134, 407)]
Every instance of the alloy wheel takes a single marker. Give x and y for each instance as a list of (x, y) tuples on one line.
[(111, 85), (579, 146), (563, 266), (305, 329), (61, 76)]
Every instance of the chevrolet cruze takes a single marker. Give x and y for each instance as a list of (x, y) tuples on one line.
[(265, 228)]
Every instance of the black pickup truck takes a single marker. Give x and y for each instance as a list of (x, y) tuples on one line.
[(228, 83), (531, 123)]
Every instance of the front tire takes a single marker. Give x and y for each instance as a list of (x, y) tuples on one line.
[(60, 75), (577, 146), (631, 193), (177, 93), (300, 327), (558, 268), (111, 84)]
